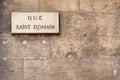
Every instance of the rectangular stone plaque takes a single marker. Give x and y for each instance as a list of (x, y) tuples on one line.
[(35, 22)]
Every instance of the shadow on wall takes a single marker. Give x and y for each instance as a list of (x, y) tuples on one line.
[(2, 4), (3, 65)]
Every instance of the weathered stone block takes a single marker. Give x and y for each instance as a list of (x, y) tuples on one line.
[(97, 24), (103, 6), (36, 48), (10, 48), (88, 25), (4, 74), (83, 48), (22, 5), (107, 6), (64, 48), (69, 25), (51, 70), (36, 70), (89, 47), (10, 70), (64, 69), (115, 29), (97, 69), (106, 47), (109, 47), (105, 23), (28, 47), (56, 5), (86, 5)]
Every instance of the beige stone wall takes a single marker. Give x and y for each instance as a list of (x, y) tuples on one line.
[(87, 48)]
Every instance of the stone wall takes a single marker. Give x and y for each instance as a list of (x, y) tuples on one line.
[(87, 48)]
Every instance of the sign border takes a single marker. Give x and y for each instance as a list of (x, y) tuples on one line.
[(38, 32)]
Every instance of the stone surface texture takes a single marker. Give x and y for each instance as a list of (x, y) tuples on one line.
[(87, 48)]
